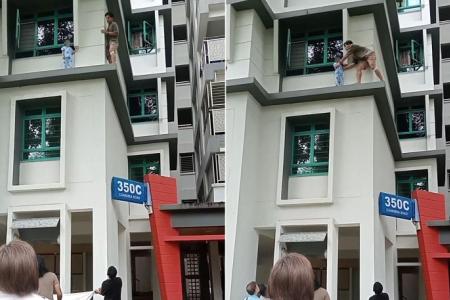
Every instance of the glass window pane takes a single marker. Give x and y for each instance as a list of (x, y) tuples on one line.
[(33, 112), (45, 30), (65, 29), (150, 105), (302, 128), (335, 46), (315, 51), (134, 103), (322, 126), (33, 134), (52, 132), (321, 146), (136, 173), (403, 122), (33, 155), (418, 121), (404, 189), (421, 184), (302, 147), (152, 169)]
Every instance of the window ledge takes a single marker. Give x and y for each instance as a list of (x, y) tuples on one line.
[(36, 187), (185, 127), (218, 185), (187, 173), (143, 54), (182, 83), (180, 42), (40, 57), (299, 202)]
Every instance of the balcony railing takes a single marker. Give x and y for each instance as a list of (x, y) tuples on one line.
[(213, 50), (217, 121)]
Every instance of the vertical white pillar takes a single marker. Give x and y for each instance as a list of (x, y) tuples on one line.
[(430, 123), (65, 249), (215, 269), (4, 27), (9, 231), (76, 23), (276, 32), (160, 44), (332, 261), (162, 107), (367, 260), (99, 247)]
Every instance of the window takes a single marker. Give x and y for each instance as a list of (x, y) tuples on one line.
[(411, 123), (444, 14), (447, 134), (446, 91), (310, 147), (182, 73), (141, 37), (40, 34), (185, 117), (41, 134), (408, 5), (187, 163), (139, 166), (180, 33), (407, 182), (409, 54), (312, 52), (445, 49), (143, 106)]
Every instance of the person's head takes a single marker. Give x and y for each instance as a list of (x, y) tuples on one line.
[(18, 269), (67, 42), (291, 278), (109, 17), (348, 44), (41, 266), (252, 288), (377, 288), (262, 289), (338, 57), (112, 272)]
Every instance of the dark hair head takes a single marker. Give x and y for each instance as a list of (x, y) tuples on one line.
[(18, 269), (109, 14), (262, 289), (112, 272), (41, 266), (292, 278), (377, 288), (251, 287), (348, 42)]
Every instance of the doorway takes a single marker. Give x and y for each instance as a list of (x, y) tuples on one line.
[(195, 271)]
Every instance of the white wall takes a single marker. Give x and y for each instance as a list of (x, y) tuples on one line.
[(136, 4), (416, 17)]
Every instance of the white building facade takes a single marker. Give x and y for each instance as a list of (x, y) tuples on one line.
[(310, 158)]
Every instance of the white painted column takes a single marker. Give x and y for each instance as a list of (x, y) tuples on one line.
[(76, 23), (430, 123), (160, 44), (65, 249), (367, 260), (122, 263), (9, 231), (99, 248), (162, 107), (332, 261), (215, 269), (4, 27), (276, 31)]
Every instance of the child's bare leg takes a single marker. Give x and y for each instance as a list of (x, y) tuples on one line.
[(372, 61), (359, 68)]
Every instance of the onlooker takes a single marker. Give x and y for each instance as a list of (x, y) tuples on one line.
[(67, 54), (378, 290), (48, 282), (252, 291), (319, 292), (112, 38), (112, 287), (263, 292), (362, 58), (338, 70), (292, 278), (19, 277)]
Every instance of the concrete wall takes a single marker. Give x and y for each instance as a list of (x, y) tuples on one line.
[(417, 17)]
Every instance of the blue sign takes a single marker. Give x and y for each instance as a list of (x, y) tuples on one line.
[(130, 191), (396, 206)]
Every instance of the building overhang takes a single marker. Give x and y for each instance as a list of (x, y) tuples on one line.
[(196, 215), (170, 138)]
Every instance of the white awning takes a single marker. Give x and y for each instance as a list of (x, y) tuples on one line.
[(303, 237), (35, 223)]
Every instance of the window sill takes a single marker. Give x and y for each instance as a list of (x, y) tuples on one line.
[(187, 173), (218, 185), (180, 42), (185, 127), (180, 83), (41, 56), (36, 187), (299, 202), (308, 175)]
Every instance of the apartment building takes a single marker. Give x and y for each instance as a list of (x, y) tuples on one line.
[(67, 132), (310, 158)]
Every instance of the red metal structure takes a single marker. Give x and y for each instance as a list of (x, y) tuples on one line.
[(433, 255), (166, 239)]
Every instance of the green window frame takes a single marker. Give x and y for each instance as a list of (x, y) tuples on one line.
[(147, 102), (298, 48), (408, 5), (407, 182), (145, 31), (409, 55), (416, 123), (138, 167), (56, 16), (310, 149), (46, 142)]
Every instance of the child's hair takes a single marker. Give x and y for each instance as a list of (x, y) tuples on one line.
[(66, 42), (337, 57)]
